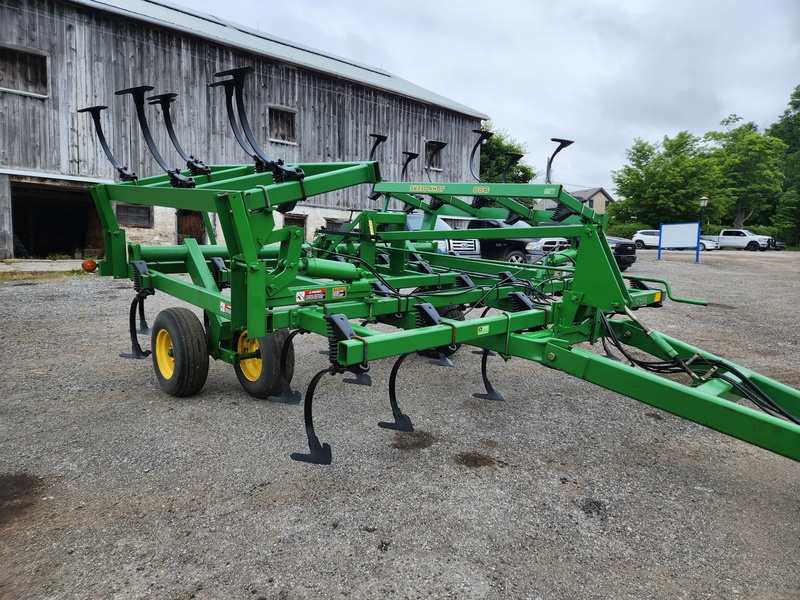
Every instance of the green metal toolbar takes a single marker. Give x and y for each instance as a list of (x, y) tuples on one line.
[(265, 284)]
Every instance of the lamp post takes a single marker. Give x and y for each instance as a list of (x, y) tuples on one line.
[(703, 204)]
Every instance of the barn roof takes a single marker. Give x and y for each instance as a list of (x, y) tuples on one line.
[(217, 30)]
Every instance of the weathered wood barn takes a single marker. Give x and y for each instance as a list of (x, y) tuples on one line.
[(58, 56)]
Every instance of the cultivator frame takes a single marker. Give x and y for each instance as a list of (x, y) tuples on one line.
[(265, 285)]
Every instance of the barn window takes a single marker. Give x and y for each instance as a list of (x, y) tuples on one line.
[(23, 72), (133, 215), (294, 221), (433, 153), (282, 125), (336, 224)]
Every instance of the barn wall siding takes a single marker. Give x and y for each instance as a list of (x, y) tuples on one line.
[(92, 54), (6, 239)]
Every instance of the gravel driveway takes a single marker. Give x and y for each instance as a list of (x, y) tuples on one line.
[(111, 489)]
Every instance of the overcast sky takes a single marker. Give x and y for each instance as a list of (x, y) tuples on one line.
[(600, 72)]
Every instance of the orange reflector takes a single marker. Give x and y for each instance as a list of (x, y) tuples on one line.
[(658, 297)]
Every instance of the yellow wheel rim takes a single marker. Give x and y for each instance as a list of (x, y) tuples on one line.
[(165, 358), (250, 367)]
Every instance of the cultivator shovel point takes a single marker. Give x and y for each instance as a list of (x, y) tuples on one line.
[(266, 285), (287, 395), (491, 393), (401, 421)]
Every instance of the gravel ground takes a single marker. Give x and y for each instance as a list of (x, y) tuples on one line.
[(111, 489)]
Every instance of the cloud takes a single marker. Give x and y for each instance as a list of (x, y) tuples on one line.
[(601, 72)]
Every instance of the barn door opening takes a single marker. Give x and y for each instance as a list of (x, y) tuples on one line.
[(190, 225), (54, 222)]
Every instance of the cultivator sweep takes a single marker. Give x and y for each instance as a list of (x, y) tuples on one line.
[(265, 285)]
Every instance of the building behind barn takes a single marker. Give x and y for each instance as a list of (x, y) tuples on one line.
[(59, 56)]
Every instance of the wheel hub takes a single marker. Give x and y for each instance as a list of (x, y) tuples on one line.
[(250, 367)]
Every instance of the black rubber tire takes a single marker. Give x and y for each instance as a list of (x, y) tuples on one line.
[(752, 246), (702, 247), (515, 256), (639, 244), (262, 378), (180, 352)]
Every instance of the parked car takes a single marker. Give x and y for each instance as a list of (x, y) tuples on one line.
[(647, 238), (776, 245), (624, 251), (708, 245), (741, 239)]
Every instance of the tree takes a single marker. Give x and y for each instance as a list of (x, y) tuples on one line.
[(751, 165), (494, 158), (749, 176), (787, 212), (787, 129), (664, 183), (624, 211)]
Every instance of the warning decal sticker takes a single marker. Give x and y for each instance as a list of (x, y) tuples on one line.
[(310, 295)]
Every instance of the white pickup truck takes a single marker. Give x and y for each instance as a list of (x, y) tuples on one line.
[(470, 247), (741, 239)]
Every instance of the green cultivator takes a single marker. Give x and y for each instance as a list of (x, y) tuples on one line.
[(265, 285)]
